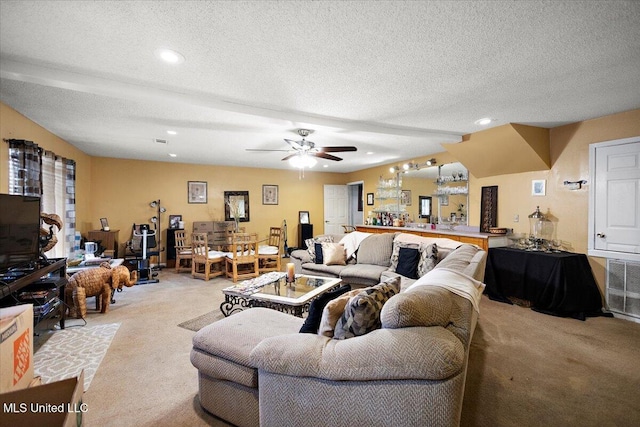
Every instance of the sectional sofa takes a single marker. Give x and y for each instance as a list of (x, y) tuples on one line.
[(255, 368)]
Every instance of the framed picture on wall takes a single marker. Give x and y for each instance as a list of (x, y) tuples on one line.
[(269, 194), (538, 187), (369, 199), (405, 197), (303, 217), (197, 192)]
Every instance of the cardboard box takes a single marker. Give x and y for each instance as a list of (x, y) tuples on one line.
[(55, 404), (16, 347)]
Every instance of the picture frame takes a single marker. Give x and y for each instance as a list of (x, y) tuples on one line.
[(269, 194), (104, 224), (174, 221), (369, 199), (197, 191), (239, 199), (303, 217), (538, 187), (443, 200), (405, 197)]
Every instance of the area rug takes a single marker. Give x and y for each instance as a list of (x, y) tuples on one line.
[(201, 321), (71, 350)]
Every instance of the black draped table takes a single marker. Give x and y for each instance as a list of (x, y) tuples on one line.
[(560, 284)]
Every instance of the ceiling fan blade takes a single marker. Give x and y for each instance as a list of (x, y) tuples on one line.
[(326, 156), (290, 156), (295, 144), (262, 149), (336, 149)]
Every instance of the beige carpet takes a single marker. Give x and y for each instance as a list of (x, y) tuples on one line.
[(200, 322), (526, 368)]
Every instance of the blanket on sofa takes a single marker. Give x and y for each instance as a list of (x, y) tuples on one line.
[(351, 241), (454, 281)]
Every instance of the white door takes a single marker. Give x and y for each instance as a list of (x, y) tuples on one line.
[(616, 202), (336, 208)]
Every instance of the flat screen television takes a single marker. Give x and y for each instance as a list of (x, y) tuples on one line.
[(19, 231)]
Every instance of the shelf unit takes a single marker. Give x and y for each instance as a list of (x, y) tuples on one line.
[(388, 195), (452, 185), (48, 275)]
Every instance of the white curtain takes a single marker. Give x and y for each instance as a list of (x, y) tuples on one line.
[(58, 197)]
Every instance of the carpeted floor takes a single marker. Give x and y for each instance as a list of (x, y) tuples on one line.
[(201, 321), (525, 368)]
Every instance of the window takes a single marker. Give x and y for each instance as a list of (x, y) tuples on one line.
[(36, 172)]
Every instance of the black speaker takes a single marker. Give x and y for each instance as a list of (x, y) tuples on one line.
[(305, 231)]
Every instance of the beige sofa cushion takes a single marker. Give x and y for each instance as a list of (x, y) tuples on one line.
[(460, 258), (333, 254), (376, 249), (421, 306)]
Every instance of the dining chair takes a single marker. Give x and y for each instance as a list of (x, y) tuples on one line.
[(183, 252), (242, 259), (205, 263), (269, 254)]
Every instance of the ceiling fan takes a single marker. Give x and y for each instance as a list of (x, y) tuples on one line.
[(305, 147)]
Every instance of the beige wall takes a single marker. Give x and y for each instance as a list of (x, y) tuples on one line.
[(123, 189), (14, 125)]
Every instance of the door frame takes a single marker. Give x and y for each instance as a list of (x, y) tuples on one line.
[(591, 234), (355, 217)]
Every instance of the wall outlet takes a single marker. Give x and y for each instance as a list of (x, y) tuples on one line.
[(516, 218)]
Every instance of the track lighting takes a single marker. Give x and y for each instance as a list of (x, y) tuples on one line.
[(154, 203), (153, 219), (430, 162)]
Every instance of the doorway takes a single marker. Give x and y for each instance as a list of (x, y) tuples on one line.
[(356, 202)]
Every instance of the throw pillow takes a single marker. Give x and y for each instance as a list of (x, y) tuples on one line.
[(332, 312), (396, 252), (428, 258), (311, 247), (362, 313), (316, 308), (319, 255), (376, 249), (333, 254), (408, 259)]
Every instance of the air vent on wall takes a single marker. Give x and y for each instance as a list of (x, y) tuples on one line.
[(160, 141)]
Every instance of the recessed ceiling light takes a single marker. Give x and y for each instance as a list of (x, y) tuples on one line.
[(484, 121), (325, 166), (369, 152), (170, 56), (173, 155), (172, 132)]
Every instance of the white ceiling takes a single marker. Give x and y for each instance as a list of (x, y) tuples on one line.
[(394, 78)]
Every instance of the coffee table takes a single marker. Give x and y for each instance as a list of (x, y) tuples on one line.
[(272, 290)]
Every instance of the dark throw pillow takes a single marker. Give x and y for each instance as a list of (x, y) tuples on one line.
[(312, 322), (408, 259), (318, 250)]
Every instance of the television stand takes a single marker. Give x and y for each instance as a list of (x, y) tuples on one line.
[(53, 275)]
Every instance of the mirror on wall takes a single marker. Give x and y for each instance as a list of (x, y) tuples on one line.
[(440, 192)]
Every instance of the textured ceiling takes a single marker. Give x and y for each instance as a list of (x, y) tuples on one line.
[(393, 78)]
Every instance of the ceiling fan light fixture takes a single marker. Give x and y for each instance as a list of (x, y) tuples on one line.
[(302, 161)]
